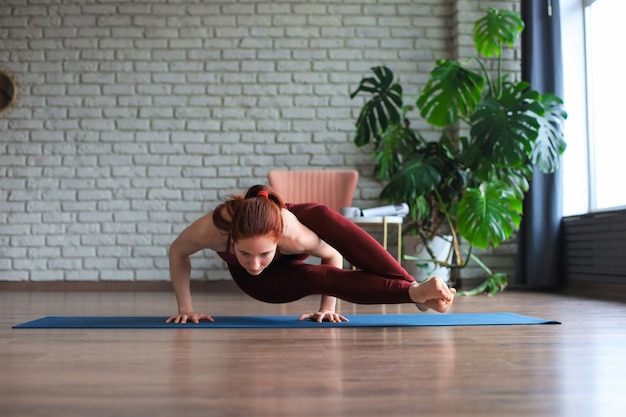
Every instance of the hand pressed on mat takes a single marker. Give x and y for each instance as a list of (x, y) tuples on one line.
[(183, 318)]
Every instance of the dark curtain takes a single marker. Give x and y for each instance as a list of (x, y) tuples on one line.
[(538, 261)]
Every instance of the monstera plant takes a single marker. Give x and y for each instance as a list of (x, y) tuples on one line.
[(472, 186)]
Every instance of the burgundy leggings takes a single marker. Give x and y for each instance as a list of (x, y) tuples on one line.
[(379, 278)]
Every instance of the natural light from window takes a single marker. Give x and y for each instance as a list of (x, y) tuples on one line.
[(606, 92), (594, 164)]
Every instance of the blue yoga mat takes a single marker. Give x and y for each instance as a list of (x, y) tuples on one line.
[(283, 322)]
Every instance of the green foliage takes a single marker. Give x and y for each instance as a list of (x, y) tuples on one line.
[(493, 285), (451, 92), (474, 185), (382, 110), (549, 143), (490, 213), (505, 129), (495, 29)]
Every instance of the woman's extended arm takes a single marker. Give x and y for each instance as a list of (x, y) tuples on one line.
[(328, 255), (202, 234)]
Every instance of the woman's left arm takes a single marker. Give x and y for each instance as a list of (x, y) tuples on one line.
[(299, 239), (329, 256)]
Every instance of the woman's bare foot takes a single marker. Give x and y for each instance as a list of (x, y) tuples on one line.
[(432, 294)]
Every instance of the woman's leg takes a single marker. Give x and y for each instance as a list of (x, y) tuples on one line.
[(357, 246), (289, 280), (365, 253)]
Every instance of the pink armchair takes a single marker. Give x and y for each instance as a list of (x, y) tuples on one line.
[(334, 188)]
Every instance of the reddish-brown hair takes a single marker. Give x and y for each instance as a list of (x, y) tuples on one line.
[(250, 214)]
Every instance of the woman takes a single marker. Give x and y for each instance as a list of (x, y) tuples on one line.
[(264, 243)]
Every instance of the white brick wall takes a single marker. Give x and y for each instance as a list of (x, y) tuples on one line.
[(134, 118)]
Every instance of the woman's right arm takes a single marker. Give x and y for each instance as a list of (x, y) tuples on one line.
[(202, 234)]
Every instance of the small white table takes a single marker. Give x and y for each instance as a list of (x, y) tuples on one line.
[(385, 222)]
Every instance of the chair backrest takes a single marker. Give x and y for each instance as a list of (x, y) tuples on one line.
[(334, 188)]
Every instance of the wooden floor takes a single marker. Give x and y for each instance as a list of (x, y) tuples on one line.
[(574, 369)]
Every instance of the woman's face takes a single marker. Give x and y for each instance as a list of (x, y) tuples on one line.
[(255, 253)]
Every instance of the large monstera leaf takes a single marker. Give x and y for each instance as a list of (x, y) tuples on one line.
[(504, 130), (382, 109), (451, 92), (549, 144), (429, 174), (496, 28), (489, 214), (397, 140), (419, 175)]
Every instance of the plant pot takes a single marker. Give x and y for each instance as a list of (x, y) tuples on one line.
[(423, 269)]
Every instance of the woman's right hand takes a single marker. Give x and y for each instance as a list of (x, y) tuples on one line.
[(192, 317)]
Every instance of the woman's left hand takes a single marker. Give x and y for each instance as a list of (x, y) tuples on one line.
[(321, 316)]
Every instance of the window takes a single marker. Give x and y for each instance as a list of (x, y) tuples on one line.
[(594, 164)]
